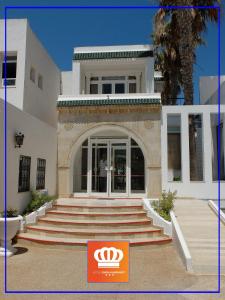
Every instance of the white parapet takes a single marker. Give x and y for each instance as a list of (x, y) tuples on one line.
[(214, 206), (180, 243), (157, 219)]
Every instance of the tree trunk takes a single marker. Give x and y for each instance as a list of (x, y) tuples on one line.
[(186, 51)]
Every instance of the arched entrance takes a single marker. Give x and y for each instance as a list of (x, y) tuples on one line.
[(109, 163)]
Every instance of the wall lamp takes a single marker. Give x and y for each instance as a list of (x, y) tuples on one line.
[(19, 139)]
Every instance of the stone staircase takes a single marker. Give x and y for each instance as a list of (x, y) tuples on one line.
[(72, 222)]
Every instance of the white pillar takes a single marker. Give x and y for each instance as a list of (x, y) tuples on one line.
[(207, 146), (185, 154), (149, 76), (76, 78), (164, 148)]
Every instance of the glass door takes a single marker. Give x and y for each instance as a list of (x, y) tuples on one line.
[(99, 167), (118, 168)]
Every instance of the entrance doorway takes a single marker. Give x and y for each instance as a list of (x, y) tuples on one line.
[(109, 167), (109, 170)]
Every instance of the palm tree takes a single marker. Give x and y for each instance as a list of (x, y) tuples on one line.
[(178, 32)]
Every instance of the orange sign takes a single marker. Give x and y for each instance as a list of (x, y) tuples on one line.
[(108, 261)]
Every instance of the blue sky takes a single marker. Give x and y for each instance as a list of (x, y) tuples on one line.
[(61, 30)]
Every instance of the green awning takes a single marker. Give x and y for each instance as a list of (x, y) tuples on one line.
[(95, 102), (112, 55)]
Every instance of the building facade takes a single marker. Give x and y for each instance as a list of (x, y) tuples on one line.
[(100, 130), (109, 124), (33, 85)]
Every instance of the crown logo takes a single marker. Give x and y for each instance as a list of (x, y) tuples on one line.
[(108, 257)]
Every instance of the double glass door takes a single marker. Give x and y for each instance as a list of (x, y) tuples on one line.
[(109, 166)]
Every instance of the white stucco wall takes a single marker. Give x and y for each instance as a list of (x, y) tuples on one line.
[(26, 95), (40, 103), (16, 42), (40, 142), (206, 189), (208, 87), (67, 81)]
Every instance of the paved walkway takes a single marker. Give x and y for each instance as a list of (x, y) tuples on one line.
[(151, 268), (199, 225)]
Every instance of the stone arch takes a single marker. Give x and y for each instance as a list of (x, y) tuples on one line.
[(98, 128)]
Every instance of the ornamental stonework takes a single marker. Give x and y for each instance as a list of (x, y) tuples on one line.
[(68, 126)]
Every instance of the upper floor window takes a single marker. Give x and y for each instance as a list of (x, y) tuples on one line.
[(32, 74), (9, 70), (113, 85), (40, 81)]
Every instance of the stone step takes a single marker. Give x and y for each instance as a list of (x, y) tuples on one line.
[(94, 223), (98, 202), (59, 241), (94, 233), (98, 208), (71, 215)]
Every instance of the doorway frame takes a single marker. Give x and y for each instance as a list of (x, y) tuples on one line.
[(109, 142)]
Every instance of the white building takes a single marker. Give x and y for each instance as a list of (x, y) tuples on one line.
[(115, 139), (33, 82)]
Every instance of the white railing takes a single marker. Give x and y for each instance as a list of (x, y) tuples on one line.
[(33, 216), (172, 229), (157, 219), (213, 205), (180, 243)]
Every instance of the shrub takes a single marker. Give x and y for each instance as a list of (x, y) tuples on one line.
[(10, 213), (165, 204), (37, 200)]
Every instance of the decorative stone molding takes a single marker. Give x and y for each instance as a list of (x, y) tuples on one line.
[(110, 109), (148, 124), (68, 126)]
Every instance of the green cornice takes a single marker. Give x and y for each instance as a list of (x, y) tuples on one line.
[(96, 102), (112, 55)]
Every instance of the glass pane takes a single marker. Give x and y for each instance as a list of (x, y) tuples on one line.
[(107, 88), (118, 164), (217, 130), (119, 88), (133, 143), (10, 70), (137, 170), (132, 77), (93, 89), (99, 169), (132, 87), (113, 78), (195, 147), (94, 78), (174, 147), (80, 170)]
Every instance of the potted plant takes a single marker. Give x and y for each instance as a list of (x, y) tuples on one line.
[(13, 225)]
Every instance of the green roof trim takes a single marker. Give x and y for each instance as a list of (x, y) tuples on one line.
[(96, 102), (112, 55)]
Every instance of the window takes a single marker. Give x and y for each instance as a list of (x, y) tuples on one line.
[(40, 82), (132, 88), (107, 88), (32, 74), (119, 88), (113, 84), (94, 89), (9, 70), (24, 174), (41, 166), (137, 168)]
